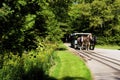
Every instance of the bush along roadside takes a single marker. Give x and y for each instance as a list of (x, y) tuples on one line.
[(33, 65)]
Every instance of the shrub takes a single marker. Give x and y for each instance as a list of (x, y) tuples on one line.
[(113, 40), (12, 68), (33, 65)]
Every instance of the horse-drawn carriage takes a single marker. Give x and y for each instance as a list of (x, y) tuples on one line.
[(83, 41)]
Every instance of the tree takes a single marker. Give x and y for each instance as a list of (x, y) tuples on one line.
[(100, 17), (23, 21)]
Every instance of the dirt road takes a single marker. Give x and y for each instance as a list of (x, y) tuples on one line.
[(103, 63), (106, 70)]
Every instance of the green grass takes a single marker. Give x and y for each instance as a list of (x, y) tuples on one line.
[(114, 47), (69, 67)]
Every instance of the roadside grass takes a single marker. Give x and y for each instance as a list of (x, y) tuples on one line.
[(69, 66), (114, 47)]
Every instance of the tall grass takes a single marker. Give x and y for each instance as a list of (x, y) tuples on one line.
[(33, 65)]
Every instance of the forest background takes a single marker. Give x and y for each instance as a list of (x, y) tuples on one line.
[(34, 28)]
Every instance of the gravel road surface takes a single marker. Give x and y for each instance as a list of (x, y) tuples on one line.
[(100, 68), (101, 71)]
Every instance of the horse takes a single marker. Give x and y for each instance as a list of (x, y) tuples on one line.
[(85, 41), (93, 42), (79, 41)]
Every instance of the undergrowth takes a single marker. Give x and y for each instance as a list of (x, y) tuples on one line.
[(32, 65)]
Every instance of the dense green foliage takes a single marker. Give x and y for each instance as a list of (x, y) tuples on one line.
[(33, 65), (24, 22), (32, 25), (29, 32), (100, 17)]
